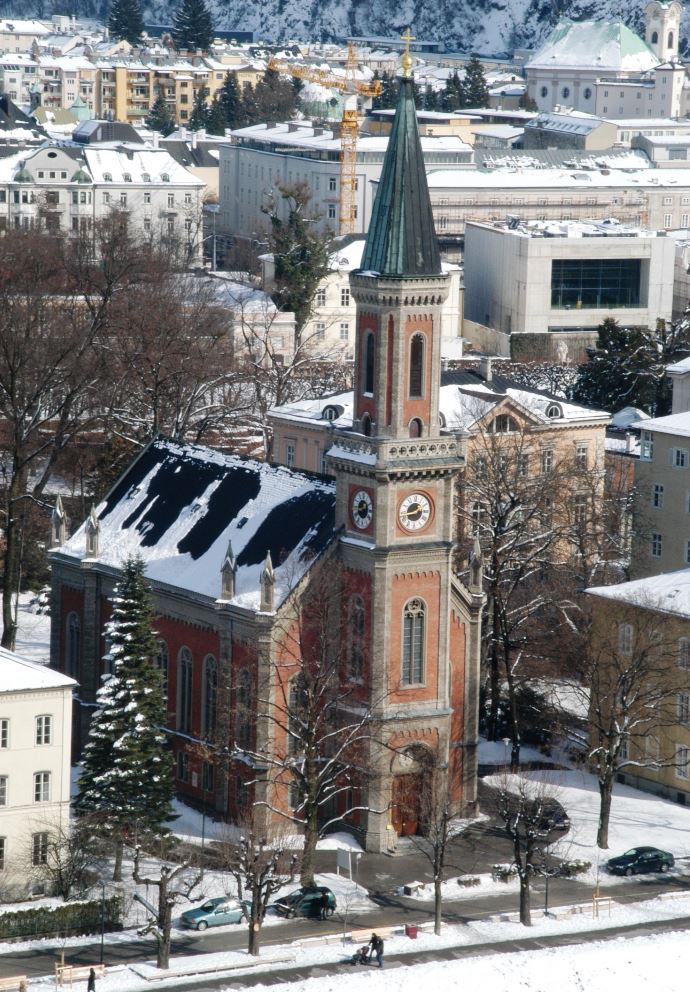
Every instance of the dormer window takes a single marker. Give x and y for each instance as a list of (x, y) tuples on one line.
[(554, 412), (146, 177), (331, 412), (127, 177), (165, 177), (107, 177)]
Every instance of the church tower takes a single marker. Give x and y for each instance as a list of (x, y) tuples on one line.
[(662, 28), (413, 629)]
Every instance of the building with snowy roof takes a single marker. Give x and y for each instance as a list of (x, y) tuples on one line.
[(542, 288), (569, 130), (70, 187), (265, 157), (243, 557), (35, 765), (593, 188)]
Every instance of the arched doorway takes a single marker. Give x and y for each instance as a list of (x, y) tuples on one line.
[(409, 768)]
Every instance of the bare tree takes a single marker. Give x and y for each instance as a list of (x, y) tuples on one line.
[(171, 357), (261, 865), (522, 805), (320, 721), (70, 860), (174, 883), (631, 674), (55, 299)]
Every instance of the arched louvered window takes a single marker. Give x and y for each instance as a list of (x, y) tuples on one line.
[(243, 699), (369, 363), (417, 343), (355, 660), (73, 646), (161, 662)]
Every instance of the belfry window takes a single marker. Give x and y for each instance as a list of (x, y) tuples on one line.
[(369, 345), (417, 366), (413, 642)]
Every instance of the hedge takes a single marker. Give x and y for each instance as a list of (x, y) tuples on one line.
[(64, 920)]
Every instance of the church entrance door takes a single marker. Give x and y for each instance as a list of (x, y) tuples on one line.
[(405, 805)]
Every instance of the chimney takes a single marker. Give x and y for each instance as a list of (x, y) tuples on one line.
[(58, 525), (93, 532), (228, 574), (485, 368), (193, 139), (267, 586), (630, 442)]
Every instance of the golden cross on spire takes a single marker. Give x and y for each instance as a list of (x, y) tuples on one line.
[(406, 60)]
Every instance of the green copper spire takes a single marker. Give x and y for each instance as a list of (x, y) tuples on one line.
[(401, 240)]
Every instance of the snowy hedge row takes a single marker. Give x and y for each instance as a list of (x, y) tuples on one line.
[(64, 920)]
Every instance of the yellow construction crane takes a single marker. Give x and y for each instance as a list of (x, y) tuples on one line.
[(353, 87)]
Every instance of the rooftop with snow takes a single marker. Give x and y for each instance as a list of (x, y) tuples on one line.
[(180, 507)]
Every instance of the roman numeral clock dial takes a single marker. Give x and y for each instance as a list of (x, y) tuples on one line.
[(362, 509), (415, 511)]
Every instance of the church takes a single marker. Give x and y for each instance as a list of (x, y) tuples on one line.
[(233, 548)]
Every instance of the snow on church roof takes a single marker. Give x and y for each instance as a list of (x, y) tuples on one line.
[(178, 506), (599, 45)]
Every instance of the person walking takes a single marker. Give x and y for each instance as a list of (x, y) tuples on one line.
[(377, 948), (324, 905), (91, 987)]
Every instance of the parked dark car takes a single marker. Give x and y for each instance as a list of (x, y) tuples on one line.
[(553, 817), (640, 859), (305, 902)]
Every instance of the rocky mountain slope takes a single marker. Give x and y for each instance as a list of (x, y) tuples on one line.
[(485, 26)]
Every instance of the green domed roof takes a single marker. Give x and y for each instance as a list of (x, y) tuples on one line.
[(23, 176), (80, 176)]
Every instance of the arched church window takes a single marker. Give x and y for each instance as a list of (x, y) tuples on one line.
[(413, 642), (73, 646), (415, 427), (369, 362), (355, 655), (208, 719), (655, 37), (184, 691), (669, 42), (366, 425), (297, 715), (417, 366)]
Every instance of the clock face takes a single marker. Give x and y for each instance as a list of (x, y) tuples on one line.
[(415, 511), (362, 509)]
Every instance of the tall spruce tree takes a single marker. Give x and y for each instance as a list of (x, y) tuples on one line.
[(127, 779), (474, 92), (215, 123), (160, 118), (125, 21), (200, 111), (230, 97), (192, 26)]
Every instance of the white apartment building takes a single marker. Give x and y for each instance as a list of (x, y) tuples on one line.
[(656, 199), (35, 750), (541, 289), (264, 157), (18, 35), (70, 187)]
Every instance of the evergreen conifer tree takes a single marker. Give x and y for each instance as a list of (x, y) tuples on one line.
[(215, 123), (474, 91), (159, 118), (192, 26), (230, 98), (127, 774), (125, 21), (200, 111)]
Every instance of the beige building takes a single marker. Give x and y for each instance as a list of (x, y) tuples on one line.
[(651, 614), (543, 288), (651, 198), (35, 748)]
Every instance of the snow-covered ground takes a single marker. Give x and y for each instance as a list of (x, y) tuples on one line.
[(33, 631)]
